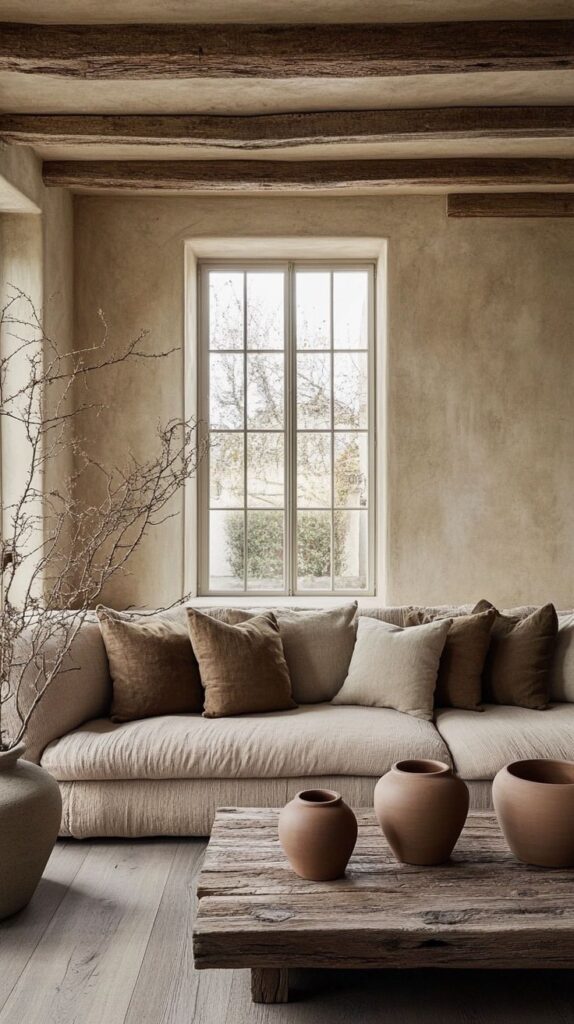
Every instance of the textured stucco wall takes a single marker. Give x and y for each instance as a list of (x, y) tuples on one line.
[(36, 257), (480, 497)]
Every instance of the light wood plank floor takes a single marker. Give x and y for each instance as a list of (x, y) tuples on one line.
[(107, 940)]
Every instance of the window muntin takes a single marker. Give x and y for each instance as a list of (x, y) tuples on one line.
[(285, 390)]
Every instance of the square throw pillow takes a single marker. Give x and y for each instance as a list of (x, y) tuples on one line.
[(394, 667), (152, 665), (562, 673), (242, 667), (459, 683), (318, 647), (519, 659)]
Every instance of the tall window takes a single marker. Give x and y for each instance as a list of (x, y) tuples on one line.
[(285, 389)]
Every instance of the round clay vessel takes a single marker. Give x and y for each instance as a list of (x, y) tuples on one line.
[(534, 802), (318, 832), (30, 815), (421, 807)]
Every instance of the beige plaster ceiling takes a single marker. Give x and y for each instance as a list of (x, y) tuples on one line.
[(340, 191), (424, 148), (102, 11), (43, 94)]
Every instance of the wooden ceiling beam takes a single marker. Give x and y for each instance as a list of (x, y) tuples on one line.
[(280, 131), (212, 176), (511, 204), (285, 51)]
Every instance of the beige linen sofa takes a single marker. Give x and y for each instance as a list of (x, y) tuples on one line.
[(166, 776)]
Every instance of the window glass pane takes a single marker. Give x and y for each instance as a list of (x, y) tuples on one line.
[(226, 531), (225, 309), (225, 391), (314, 550), (350, 309), (351, 470), (265, 470), (265, 301), (350, 550), (226, 470), (314, 470), (265, 391), (313, 309), (323, 431), (313, 390), (265, 541), (351, 391)]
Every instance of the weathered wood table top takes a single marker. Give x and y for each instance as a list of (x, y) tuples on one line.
[(483, 909)]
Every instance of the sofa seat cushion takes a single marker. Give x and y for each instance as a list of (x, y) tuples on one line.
[(481, 744), (315, 739)]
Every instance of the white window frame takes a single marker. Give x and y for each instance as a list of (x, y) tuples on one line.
[(289, 267)]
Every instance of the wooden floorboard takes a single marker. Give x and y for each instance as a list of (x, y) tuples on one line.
[(169, 956), (107, 940), (85, 968), (20, 935)]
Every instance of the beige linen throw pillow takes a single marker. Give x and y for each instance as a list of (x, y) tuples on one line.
[(242, 667), (394, 667), (318, 647), (562, 675)]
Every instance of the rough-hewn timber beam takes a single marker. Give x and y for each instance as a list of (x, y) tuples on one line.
[(290, 130), (283, 176), (285, 51), (511, 204)]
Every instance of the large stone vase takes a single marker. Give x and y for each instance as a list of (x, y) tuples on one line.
[(318, 832), (30, 815), (421, 807), (534, 802)]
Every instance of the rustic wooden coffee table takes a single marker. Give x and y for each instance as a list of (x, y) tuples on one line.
[(482, 910)]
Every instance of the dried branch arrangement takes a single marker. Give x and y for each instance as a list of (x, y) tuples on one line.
[(58, 552)]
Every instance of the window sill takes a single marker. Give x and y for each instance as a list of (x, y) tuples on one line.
[(282, 601)]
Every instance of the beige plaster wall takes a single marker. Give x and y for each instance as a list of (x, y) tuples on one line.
[(36, 257), (480, 428)]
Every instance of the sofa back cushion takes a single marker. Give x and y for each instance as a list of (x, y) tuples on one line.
[(242, 667), (519, 660), (562, 674), (459, 683), (152, 665), (394, 667), (318, 647)]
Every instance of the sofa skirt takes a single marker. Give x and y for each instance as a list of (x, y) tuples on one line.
[(186, 807)]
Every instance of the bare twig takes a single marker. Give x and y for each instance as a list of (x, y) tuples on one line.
[(58, 550)]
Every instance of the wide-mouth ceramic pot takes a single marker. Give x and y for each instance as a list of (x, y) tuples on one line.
[(420, 766), (318, 797), (534, 802), (544, 771)]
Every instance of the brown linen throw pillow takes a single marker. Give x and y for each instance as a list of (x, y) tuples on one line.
[(152, 665), (518, 663), (242, 667), (459, 683)]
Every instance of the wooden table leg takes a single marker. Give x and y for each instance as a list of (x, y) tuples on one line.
[(269, 985)]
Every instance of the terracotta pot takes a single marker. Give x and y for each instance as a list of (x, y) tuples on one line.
[(421, 807), (534, 802), (30, 815), (318, 832)]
